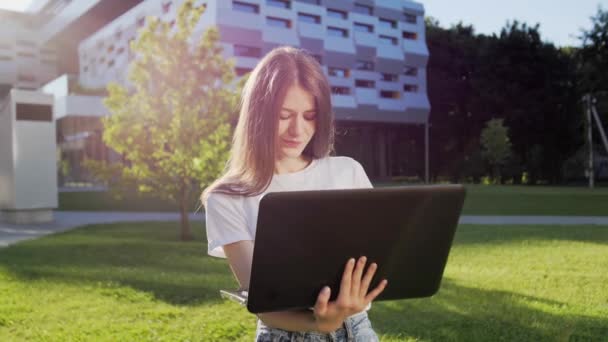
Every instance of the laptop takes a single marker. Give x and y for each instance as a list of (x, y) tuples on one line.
[(304, 239)]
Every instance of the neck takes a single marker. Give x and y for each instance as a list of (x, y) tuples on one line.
[(290, 165)]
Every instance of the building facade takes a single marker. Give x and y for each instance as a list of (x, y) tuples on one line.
[(373, 52)]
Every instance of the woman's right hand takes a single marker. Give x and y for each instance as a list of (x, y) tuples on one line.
[(352, 298)]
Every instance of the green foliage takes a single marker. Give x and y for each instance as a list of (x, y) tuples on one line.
[(594, 54), (135, 282), (496, 146), (172, 122)]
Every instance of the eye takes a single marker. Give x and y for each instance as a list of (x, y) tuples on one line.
[(284, 116), (310, 116)]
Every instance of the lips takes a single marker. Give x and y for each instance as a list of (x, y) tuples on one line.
[(291, 143)]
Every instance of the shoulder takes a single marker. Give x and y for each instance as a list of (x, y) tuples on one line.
[(221, 201), (341, 163)]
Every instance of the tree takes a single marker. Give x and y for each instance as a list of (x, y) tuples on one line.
[(496, 146), (594, 54), (171, 123)]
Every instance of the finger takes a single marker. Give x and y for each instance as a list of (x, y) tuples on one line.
[(367, 279), (356, 280), (377, 291), (347, 278), (322, 300)]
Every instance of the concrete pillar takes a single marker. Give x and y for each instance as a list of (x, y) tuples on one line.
[(28, 162)]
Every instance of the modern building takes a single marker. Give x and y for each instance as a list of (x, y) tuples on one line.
[(373, 51)]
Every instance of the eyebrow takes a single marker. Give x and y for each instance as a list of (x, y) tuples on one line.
[(293, 111)]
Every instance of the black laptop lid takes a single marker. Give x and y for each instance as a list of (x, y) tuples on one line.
[(304, 239)]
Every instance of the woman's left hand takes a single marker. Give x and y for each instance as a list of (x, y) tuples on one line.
[(352, 298)]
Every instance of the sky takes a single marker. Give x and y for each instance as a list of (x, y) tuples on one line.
[(560, 21)]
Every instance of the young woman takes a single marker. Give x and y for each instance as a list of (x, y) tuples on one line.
[(282, 143)]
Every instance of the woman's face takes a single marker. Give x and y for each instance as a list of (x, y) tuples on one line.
[(297, 122)]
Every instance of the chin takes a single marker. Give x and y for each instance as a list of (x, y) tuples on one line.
[(289, 153)]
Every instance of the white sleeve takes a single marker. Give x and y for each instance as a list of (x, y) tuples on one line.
[(360, 177), (225, 223)]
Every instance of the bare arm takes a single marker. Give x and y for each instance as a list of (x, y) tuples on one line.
[(328, 316)]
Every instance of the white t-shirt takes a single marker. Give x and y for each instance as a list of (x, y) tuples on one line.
[(233, 218)]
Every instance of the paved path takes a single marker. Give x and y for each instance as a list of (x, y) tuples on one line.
[(65, 220)]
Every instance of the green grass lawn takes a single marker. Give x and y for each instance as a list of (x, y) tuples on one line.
[(480, 200), (135, 282)]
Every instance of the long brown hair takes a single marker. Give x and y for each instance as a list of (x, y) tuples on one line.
[(252, 158)]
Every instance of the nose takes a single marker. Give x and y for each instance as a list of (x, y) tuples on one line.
[(295, 125)]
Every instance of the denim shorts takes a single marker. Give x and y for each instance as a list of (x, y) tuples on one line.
[(356, 328)]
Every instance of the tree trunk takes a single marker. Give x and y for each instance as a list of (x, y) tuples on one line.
[(186, 233)]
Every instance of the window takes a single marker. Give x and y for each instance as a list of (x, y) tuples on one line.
[(363, 9), (85, 68), (102, 60), (390, 77), (111, 63), (410, 18), (279, 3), (334, 13), (120, 50), (338, 72), (6, 46), (388, 40), (26, 78), (245, 7), (318, 58), (26, 43), (387, 23), (365, 84), (5, 58), (278, 22), (241, 71), (110, 48), (410, 88), (364, 28), (364, 65), (312, 2), (247, 51), (141, 21), (410, 35), (410, 70), (309, 18), (340, 90), (49, 62), (26, 55), (118, 34), (389, 94), (337, 32), (166, 6)]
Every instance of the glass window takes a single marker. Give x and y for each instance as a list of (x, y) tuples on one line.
[(364, 28), (390, 77), (410, 88), (278, 22), (340, 90), (364, 65), (388, 40), (387, 23), (309, 18), (241, 71), (410, 35), (410, 70), (279, 3), (312, 2), (245, 7), (247, 51), (338, 72), (390, 94), (410, 18), (365, 84), (363, 9), (336, 13), (337, 32)]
